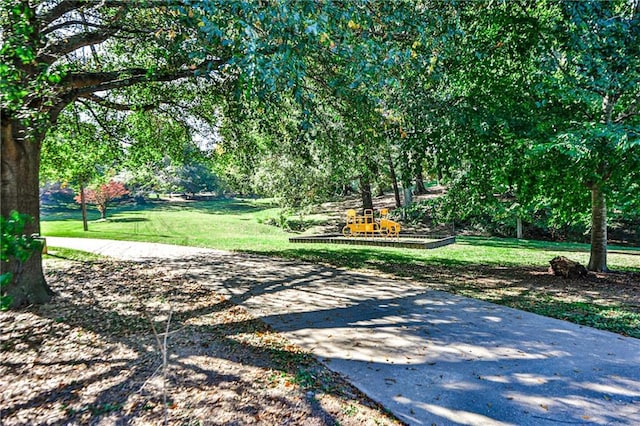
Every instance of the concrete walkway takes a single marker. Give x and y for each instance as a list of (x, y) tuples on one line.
[(429, 357)]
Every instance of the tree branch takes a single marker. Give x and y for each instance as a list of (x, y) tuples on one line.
[(117, 106), (141, 4), (75, 42), (60, 9), (88, 79), (65, 24), (66, 6), (79, 40), (112, 26), (80, 85), (632, 110), (101, 123), (86, 83)]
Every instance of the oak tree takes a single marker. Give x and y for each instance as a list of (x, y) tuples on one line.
[(55, 53)]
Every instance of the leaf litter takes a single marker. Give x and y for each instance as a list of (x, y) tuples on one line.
[(92, 356)]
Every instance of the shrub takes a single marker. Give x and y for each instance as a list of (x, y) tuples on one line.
[(17, 246)]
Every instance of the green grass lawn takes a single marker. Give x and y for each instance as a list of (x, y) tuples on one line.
[(223, 224), (241, 225)]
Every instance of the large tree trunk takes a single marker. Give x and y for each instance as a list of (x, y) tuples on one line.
[(20, 192), (365, 191), (420, 188), (394, 181), (598, 259)]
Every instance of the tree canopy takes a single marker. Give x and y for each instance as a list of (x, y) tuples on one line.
[(520, 106)]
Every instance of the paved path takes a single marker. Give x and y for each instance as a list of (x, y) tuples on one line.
[(427, 356)]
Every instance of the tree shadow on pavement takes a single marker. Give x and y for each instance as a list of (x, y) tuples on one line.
[(480, 361), (92, 356)]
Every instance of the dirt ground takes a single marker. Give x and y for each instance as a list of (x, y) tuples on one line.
[(96, 355)]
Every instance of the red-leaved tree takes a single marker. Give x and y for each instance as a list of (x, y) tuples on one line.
[(101, 195)]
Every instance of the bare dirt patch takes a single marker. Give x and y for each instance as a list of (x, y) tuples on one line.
[(92, 357)]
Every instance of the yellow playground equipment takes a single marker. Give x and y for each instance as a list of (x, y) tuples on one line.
[(369, 226)]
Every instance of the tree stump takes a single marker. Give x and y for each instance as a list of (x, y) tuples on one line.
[(567, 268)]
